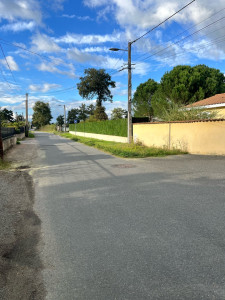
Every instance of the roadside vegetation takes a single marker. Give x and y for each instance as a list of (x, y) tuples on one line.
[(31, 135), (48, 128), (109, 127), (4, 164), (123, 149)]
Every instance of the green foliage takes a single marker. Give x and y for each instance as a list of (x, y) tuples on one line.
[(142, 100), (31, 135), (15, 125), (186, 84), (4, 164), (109, 127), (6, 115), (82, 112), (48, 128), (60, 120), (176, 113), (123, 149), (118, 113), (96, 83), (42, 114), (98, 115), (72, 115)]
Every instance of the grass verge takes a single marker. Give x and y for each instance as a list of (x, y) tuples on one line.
[(4, 164), (31, 135), (122, 149)]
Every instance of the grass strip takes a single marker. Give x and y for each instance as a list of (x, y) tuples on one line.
[(4, 164), (123, 149), (31, 135)]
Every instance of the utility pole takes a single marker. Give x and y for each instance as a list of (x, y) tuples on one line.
[(26, 127), (129, 124), (64, 118), (1, 142)]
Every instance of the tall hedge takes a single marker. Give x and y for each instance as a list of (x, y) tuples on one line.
[(109, 127)]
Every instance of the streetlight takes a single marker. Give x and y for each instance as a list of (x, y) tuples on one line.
[(129, 117), (64, 116)]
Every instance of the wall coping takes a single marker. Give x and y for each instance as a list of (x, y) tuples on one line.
[(187, 121)]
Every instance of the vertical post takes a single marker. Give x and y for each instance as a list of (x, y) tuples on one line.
[(129, 117), (26, 127), (1, 142), (64, 118)]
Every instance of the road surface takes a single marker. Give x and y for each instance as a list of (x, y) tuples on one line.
[(116, 229)]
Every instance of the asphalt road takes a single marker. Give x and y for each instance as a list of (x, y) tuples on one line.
[(129, 229)]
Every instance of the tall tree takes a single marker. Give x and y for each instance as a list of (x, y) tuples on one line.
[(142, 99), (185, 84), (118, 113), (42, 114), (60, 120), (72, 115), (6, 115), (96, 83), (83, 114)]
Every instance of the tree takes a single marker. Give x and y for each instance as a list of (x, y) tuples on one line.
[(99, 114), (60, 120), (72, 115), (185, 84), (90, 109), (83, 115), (118, 113), (6, 115), (42, 114), (142, 100), (96, 83)]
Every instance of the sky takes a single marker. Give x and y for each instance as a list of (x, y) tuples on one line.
[(45, 46)]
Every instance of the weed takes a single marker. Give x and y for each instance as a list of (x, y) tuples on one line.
[(123, 149)]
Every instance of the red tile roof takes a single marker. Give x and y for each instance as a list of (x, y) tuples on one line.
[(217, 99)]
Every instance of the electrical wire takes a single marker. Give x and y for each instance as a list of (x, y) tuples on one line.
[(187, 30), (162, 22), (7, 62), (175, 43)]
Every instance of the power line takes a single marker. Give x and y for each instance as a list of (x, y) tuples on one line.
[(162, 22), (187, 30), (3, 76), (175, 43), (7, 62), (55, 92)]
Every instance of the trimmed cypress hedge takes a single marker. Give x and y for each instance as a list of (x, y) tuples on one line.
[(109, 127)]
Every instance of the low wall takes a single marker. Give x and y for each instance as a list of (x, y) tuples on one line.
[(9, 142), (200, 137), (112, 138)]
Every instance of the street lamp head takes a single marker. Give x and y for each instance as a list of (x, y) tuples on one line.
[(114, 49)]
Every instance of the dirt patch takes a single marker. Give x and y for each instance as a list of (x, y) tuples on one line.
[(20, 265)]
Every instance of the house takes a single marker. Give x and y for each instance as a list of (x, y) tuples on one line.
[(214, 103)]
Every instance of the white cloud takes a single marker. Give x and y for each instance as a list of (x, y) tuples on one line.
[(81, 18), (44, 43), (43, 87), (20, 9), (13, 65), (52, 68), (79, 39), (18, 26)]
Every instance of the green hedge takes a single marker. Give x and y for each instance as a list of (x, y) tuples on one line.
[(109, 127)]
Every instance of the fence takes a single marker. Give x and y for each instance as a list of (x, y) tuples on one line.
[(7, 132)]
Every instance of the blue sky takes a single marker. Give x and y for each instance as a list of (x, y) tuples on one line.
[(70, 36)]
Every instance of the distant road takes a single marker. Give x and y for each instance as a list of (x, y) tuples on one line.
[(116, 229)]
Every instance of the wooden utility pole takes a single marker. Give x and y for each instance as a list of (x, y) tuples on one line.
[(1, 142), (129, 117), (27, 126)]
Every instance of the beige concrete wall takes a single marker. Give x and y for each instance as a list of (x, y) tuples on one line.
[(112, 138), (8, 143), (220, 112), (196, 138)]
